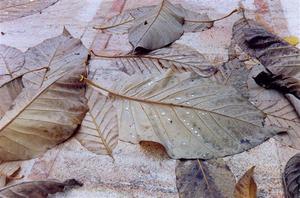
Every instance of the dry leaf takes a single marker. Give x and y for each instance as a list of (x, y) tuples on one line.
[(233, 73), (211, 179), (160, 27), (52, 104), (7, 171), (278, 56), (11, 61), (179, 58), (37, 189), (11, 10), (8, 92), (121, 23), (279, 111), (192, 117), (246, 186), (291, 177), (99, 128)]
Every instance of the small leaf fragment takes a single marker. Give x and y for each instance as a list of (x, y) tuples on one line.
[(292, 40), (246, 186), (291, 177), (39, 189), (196, 178)]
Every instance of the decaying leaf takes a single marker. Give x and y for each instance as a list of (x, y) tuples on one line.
[(7, 171), (192, 117), (281, 83), (99, 128), (38, 189), (291, 177), (211, 179), (11, 61), (179, 58), (160, 27), (279, 111), (246, 186), (278, 56), (52, 104), (11, 10), (121, 23)]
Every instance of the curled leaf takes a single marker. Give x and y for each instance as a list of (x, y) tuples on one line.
[(246, 186), (291, 177), (39, 189), (7, 171)]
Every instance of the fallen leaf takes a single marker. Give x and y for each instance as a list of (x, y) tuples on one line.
[(281, 83), (52, 104), (291, 177), (233, 73), (7, 171), (179, 58), (192, 117), (38, 189), (99, 128), (278, 56), (121, 23), (292, 40), (160, 27), (11, 10), (246, 186), (279, 111), (195, 178), (11, 61), (8, 92)]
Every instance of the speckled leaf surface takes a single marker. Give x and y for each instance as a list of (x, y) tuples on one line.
[(192, 117)]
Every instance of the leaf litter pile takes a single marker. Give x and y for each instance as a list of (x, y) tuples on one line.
[(171, 95)]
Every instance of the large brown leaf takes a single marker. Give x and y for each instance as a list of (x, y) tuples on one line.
[(160, 27), (246, 186), (121, 23), (291, 177), (192, 117), (211, 179), (37, 189), (179, 58), (52, 104), (11, 10)]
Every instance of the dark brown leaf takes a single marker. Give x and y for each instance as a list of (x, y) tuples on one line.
[(291, 177), (37, 189), (210, 179)]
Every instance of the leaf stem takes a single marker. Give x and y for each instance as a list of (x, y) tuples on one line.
[(219, 19)]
